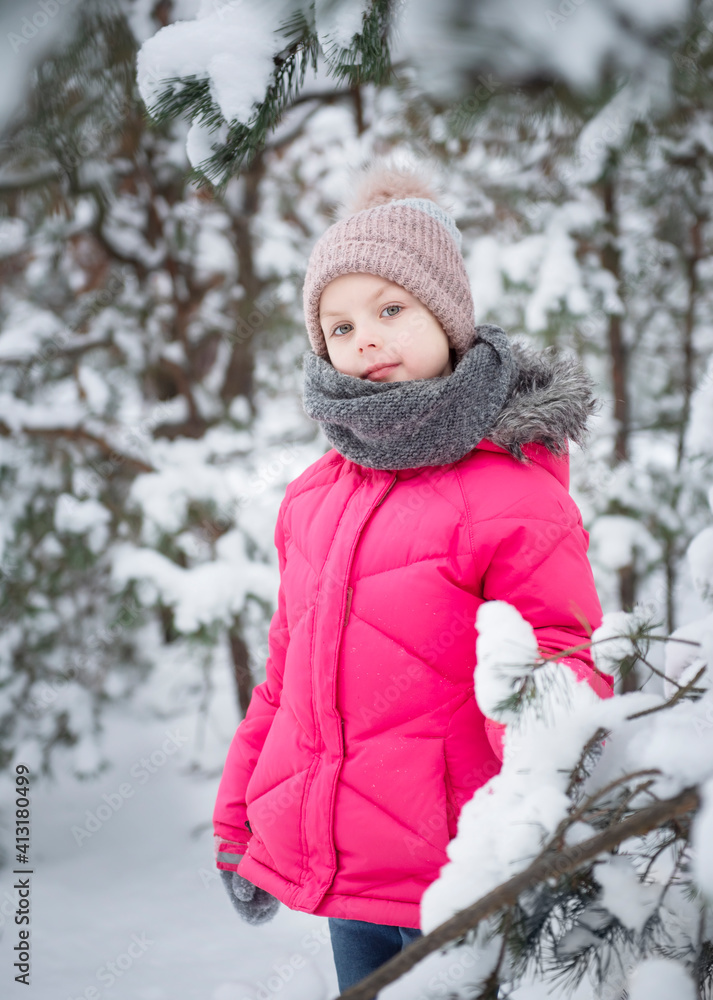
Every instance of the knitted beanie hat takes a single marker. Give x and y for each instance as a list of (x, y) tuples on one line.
[(397, 231)]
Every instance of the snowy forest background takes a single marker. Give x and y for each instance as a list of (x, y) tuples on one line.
[(150, 419)]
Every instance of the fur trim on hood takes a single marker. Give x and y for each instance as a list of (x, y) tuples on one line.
[(551, 402)]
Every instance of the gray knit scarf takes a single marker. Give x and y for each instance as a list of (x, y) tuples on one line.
[(404, 425)]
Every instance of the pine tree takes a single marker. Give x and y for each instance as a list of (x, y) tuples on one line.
[(134, 316), (364, 60)]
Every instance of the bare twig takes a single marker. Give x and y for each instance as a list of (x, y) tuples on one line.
[(70, 351), (632, 793), (668, 842), (11, 185), (587, 645), (579, 772), (659, 673), (79, 434), (672, 701), (586, 806)]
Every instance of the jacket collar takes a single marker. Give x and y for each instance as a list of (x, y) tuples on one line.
[(550, 405), (556, 465)]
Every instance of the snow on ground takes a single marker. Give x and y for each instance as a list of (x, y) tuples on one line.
[(128, 906), (136, 886)]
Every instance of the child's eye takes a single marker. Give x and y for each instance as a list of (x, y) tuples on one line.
[(338, 328), (391, 307)]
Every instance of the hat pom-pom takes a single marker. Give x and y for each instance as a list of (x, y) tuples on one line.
[(379, 184)]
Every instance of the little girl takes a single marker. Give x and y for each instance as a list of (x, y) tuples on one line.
[(447, 486)]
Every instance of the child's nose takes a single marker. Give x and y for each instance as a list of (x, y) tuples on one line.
[(368, 335)]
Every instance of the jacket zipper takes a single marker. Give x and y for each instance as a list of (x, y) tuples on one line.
[(350, 591), (339, 640), (349, 604)]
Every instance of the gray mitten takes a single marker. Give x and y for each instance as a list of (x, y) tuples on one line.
[(254, 905)]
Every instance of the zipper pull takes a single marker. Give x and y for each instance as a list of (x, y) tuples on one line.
[(387, 492), (349, 604)]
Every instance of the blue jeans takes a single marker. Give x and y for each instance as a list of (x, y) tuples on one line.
[(360, 947)]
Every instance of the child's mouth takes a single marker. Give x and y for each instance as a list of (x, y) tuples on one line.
[(378, 374)]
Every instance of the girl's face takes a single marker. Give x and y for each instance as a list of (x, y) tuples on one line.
[(368, 321)]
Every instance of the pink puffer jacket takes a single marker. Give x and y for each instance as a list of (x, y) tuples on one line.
[(344, 782)]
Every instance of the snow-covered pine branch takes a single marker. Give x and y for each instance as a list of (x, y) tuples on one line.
[(548, 865), (237, 67)]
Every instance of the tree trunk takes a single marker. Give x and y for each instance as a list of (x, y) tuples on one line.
[(244, 680), (238, 379), (691, 262), (619, 359), (618, 352)]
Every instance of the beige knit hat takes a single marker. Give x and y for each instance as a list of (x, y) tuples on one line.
[(397, 231)]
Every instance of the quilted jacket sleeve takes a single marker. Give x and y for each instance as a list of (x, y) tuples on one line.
[(229, 816), (538, 563)]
